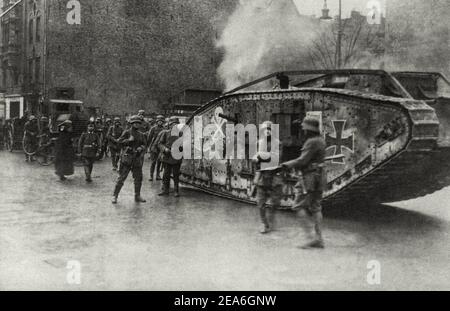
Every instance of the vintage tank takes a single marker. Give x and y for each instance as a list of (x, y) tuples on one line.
[(390, 133)]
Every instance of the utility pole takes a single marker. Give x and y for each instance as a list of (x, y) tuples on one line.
[(339, 38)]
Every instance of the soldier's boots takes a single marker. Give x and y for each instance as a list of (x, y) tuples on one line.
[(116, 193), (88, 175), (265, 228), (158, 177), (137, 194), (177, 191), (139, 199), (164, 193)]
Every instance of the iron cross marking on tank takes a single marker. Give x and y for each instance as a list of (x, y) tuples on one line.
[(338, 142)]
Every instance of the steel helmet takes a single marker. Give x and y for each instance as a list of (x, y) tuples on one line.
[(135, 119), (174, 120), (65, 123), (32, 118), (117, 119), (311, 124)]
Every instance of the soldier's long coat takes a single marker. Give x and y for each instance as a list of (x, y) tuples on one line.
[(64, 154)]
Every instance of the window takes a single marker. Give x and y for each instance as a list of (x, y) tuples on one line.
[(38, 29), (30, 70), (30, 31), (37, 70), (5, 34)]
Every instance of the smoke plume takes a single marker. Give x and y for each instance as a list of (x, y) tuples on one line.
[(261, 37)]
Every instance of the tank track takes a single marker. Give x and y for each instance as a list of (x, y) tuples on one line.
[(418, 170)]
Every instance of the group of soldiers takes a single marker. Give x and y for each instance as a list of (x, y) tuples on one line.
[(128, 146)]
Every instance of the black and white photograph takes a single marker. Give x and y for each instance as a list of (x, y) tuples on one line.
[(224, 146)]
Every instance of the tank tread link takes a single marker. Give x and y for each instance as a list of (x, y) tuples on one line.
[(390, 145)]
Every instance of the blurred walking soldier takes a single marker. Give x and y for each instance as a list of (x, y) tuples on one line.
[(268, 182), (133, 144), (154, 148), (312, 184), (114, 133), (171, 165), (89, 146), (64, 153)]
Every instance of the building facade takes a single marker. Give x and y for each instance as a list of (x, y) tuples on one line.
[(120, 56)]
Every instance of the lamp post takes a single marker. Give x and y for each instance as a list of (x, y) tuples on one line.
[(326, 16), (339, 38)]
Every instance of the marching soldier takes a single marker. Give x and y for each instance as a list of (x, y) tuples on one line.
[(311, 163), (151, 123), (144, 126), (114, 133), (31, 131), (268, 183), (133, 143), (89, 147), (154, 148), (171, 165)]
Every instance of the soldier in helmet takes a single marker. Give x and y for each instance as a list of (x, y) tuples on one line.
[(268, 183), (154, 148), (89, 147), (144, 126), (31, 132), (133, 144), (171, 165), (113, 135), (310, 163), (151, 123)]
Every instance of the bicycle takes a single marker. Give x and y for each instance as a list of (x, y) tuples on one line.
[(45, 154), (29, 147)]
